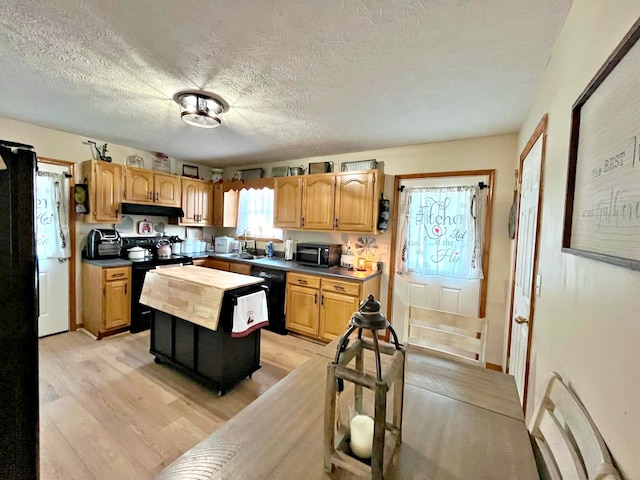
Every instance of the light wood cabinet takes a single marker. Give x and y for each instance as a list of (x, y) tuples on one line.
[(106, 182), (318, 196), (234, 267), (343, 201), (225, 206), (288, 202), (106, 299), (356, 203), (243, 268), (321, 307), (197, 202), (217, 264), (145, 186)]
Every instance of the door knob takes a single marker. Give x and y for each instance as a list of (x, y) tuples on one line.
[(520, 320)]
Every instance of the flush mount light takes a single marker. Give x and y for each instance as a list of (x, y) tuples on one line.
[(199, 109)]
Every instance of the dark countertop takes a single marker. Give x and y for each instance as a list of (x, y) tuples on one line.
[(279, 263), (111, 262)]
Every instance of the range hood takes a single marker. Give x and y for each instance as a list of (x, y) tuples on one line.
[(151, 210)]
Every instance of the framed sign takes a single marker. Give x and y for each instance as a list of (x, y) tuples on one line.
[(602, 210), (189, 171)]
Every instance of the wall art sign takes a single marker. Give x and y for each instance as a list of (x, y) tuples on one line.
[(602, 211)]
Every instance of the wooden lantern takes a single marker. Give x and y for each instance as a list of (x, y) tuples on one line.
[(337, 451)]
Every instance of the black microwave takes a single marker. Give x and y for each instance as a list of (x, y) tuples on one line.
[(318, 254)]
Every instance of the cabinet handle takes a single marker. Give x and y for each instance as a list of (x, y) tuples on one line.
[(322, 300), (315, 298), (116, 213), (150, 193), (125, 288), (339, 287), (118, 275), (157, 195), (302, 223), (302, 281)]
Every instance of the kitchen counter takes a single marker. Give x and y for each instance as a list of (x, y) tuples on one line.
[(279, 263), (110, 262)]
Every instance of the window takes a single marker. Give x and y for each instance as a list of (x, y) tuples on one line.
[(255, 214), (442, 232)]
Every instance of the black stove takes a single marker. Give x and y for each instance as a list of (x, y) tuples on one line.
[(141, 314)]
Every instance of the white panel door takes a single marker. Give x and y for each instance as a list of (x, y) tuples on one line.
[(526, 248), (455, 295), (53, 285)]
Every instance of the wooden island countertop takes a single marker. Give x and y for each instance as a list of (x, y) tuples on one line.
[(190, 292)]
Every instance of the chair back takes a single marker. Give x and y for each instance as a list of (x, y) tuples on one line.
[(458, 336), (568, 442)]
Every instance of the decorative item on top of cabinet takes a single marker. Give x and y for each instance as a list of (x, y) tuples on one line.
[(106, 299), (105, 183)]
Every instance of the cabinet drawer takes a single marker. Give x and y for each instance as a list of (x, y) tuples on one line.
[(346, 288), (200, 262), (243, 268), (217, 264), (116, 273), (303, 280)]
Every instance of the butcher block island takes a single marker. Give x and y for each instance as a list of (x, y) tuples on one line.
[(193, 329)]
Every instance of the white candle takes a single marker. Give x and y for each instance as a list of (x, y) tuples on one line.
[(362, 435)]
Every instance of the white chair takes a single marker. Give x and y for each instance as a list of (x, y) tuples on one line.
[(463, 338), (569, 445)]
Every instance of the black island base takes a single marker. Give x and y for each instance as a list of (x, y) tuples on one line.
[(213, 357)]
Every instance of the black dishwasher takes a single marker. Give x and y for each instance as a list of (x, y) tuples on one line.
[(276, 280)]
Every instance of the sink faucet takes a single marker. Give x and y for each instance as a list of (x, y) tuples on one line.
[(244, 234)]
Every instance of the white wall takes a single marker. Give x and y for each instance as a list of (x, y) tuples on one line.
[(496, 152), (587, 324)]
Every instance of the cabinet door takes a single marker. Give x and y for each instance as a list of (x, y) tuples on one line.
[(243, 268), (335, 311), (139, 187), (117, 304), (206, 204), (189, 201), (218, 205), (355, 202), (288, 202), (108, 192), (302, 309), (167, 189), (318, 194)]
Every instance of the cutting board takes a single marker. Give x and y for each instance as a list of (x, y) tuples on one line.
[(191, 293)]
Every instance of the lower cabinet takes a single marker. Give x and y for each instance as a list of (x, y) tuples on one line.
[(235, 267), (321, 307), (106, 299)]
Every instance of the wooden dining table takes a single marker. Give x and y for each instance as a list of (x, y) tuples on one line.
[(460, 422)]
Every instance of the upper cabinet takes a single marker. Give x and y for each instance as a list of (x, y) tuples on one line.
[(197, 202), (145, 186), (343, 201), (225, 206), (288, 202), (106, 181)]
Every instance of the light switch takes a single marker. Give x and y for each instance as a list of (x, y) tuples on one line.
[(538, 283)]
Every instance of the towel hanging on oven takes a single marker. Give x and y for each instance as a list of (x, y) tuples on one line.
[(249, 314)]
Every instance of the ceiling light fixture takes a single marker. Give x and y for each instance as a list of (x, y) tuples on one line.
[(199, 109)]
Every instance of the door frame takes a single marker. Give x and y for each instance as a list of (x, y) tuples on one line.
[(487, 231), (71, 166), (540, 130)]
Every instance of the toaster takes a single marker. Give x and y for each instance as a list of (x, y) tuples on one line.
[(102, 243), (223, 244)]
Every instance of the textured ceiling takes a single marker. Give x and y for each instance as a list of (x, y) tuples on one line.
[(302, 78)]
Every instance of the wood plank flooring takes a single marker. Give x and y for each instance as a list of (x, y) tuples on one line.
[(108, 411)]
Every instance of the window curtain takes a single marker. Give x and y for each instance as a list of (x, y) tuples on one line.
[(441, 230), (52, 216), (255, 213)]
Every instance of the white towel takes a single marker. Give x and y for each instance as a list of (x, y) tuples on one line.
[(250, 314)]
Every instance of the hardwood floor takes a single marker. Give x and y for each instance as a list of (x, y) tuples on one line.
[(108, 411)]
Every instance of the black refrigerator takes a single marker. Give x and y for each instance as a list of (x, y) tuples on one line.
[(18, 314)]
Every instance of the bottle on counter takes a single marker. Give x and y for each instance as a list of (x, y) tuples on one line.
[(269, 249)]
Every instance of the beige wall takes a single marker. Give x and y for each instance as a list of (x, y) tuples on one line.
[(496, 152), (67, 146), (586, 321)]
